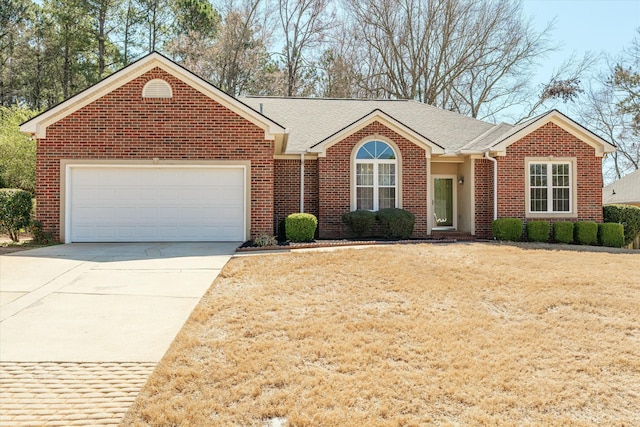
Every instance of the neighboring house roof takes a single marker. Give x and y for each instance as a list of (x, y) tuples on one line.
[(313, 120), (38, 125), (626, 190)]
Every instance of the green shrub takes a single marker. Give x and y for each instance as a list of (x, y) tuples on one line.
[(396, 223), (360, 222), (611, 234), (585, 233), (507, 229), (265, 240), (41, 237), (563, 232), (628, 216), (538, 231), (15, 211), (300, 227)]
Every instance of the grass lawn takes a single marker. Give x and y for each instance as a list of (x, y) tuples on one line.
[(463, 334)]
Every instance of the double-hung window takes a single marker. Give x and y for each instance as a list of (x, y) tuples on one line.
[(376, 168), (550, 187)]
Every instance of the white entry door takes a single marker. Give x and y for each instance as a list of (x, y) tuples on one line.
[(149, 204)]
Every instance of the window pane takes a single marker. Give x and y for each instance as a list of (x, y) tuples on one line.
[(561, 200), (386, 198), (376, 150), (538, 174), (364, 174), (386, 174), (538, 199), (367, 151), (560, 175), (443, 201), (364, 196), (384, 151)]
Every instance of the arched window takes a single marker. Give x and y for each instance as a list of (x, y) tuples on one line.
[(376, 171)]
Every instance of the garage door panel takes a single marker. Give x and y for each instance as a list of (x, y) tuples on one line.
[(156, 204), (106, 232), (106, 214)]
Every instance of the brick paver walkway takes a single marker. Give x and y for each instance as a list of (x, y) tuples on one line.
[(68, 394)]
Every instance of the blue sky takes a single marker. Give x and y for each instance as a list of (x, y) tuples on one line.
[(584, 25)]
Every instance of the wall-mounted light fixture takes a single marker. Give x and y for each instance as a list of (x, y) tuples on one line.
[(461, 180)]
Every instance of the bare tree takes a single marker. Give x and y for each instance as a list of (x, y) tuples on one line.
[(235, 58), (304, 24), (462, 55), (565, 85), (612, 109), (241, 50)]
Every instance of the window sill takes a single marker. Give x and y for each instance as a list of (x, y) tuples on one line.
[(554, 215)]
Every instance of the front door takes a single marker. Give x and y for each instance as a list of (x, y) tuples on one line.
[(444, 202)]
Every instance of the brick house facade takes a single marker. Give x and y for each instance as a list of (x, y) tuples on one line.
[(265, 153)]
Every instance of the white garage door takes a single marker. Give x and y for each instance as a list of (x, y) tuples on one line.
[(155, 204)]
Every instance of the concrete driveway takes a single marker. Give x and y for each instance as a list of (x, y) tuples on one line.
[(101, 314)]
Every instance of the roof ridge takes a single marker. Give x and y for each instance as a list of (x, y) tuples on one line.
[(484, 134), (325, 99)]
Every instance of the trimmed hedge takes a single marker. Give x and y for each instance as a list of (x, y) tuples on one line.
[(611, 234), (360, 222), (507, 229), (301, 227), (396, 223), (537, 231), (585, 233), (628, 216), (563, 232), (15, 211)]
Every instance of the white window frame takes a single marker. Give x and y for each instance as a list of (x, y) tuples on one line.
[(549, 162), (375, 162)]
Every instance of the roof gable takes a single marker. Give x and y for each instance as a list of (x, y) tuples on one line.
[(377, 115), (626, 190), (38, 125), (500, 144)]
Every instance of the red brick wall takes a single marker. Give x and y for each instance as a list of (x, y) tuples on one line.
[(287, 188), (483, 172), (122, 125), (549, 140), (334, 184)]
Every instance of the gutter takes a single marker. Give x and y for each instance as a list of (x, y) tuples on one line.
[(495, 183), (302, 182)]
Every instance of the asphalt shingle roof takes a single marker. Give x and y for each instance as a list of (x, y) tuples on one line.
[(311, 120)]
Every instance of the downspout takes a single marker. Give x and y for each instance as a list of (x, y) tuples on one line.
[(302, 182), (495, 183)]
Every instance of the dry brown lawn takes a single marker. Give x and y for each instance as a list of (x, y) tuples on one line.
[(464, 334)]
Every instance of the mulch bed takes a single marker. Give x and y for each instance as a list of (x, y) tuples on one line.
[(249, 246)]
